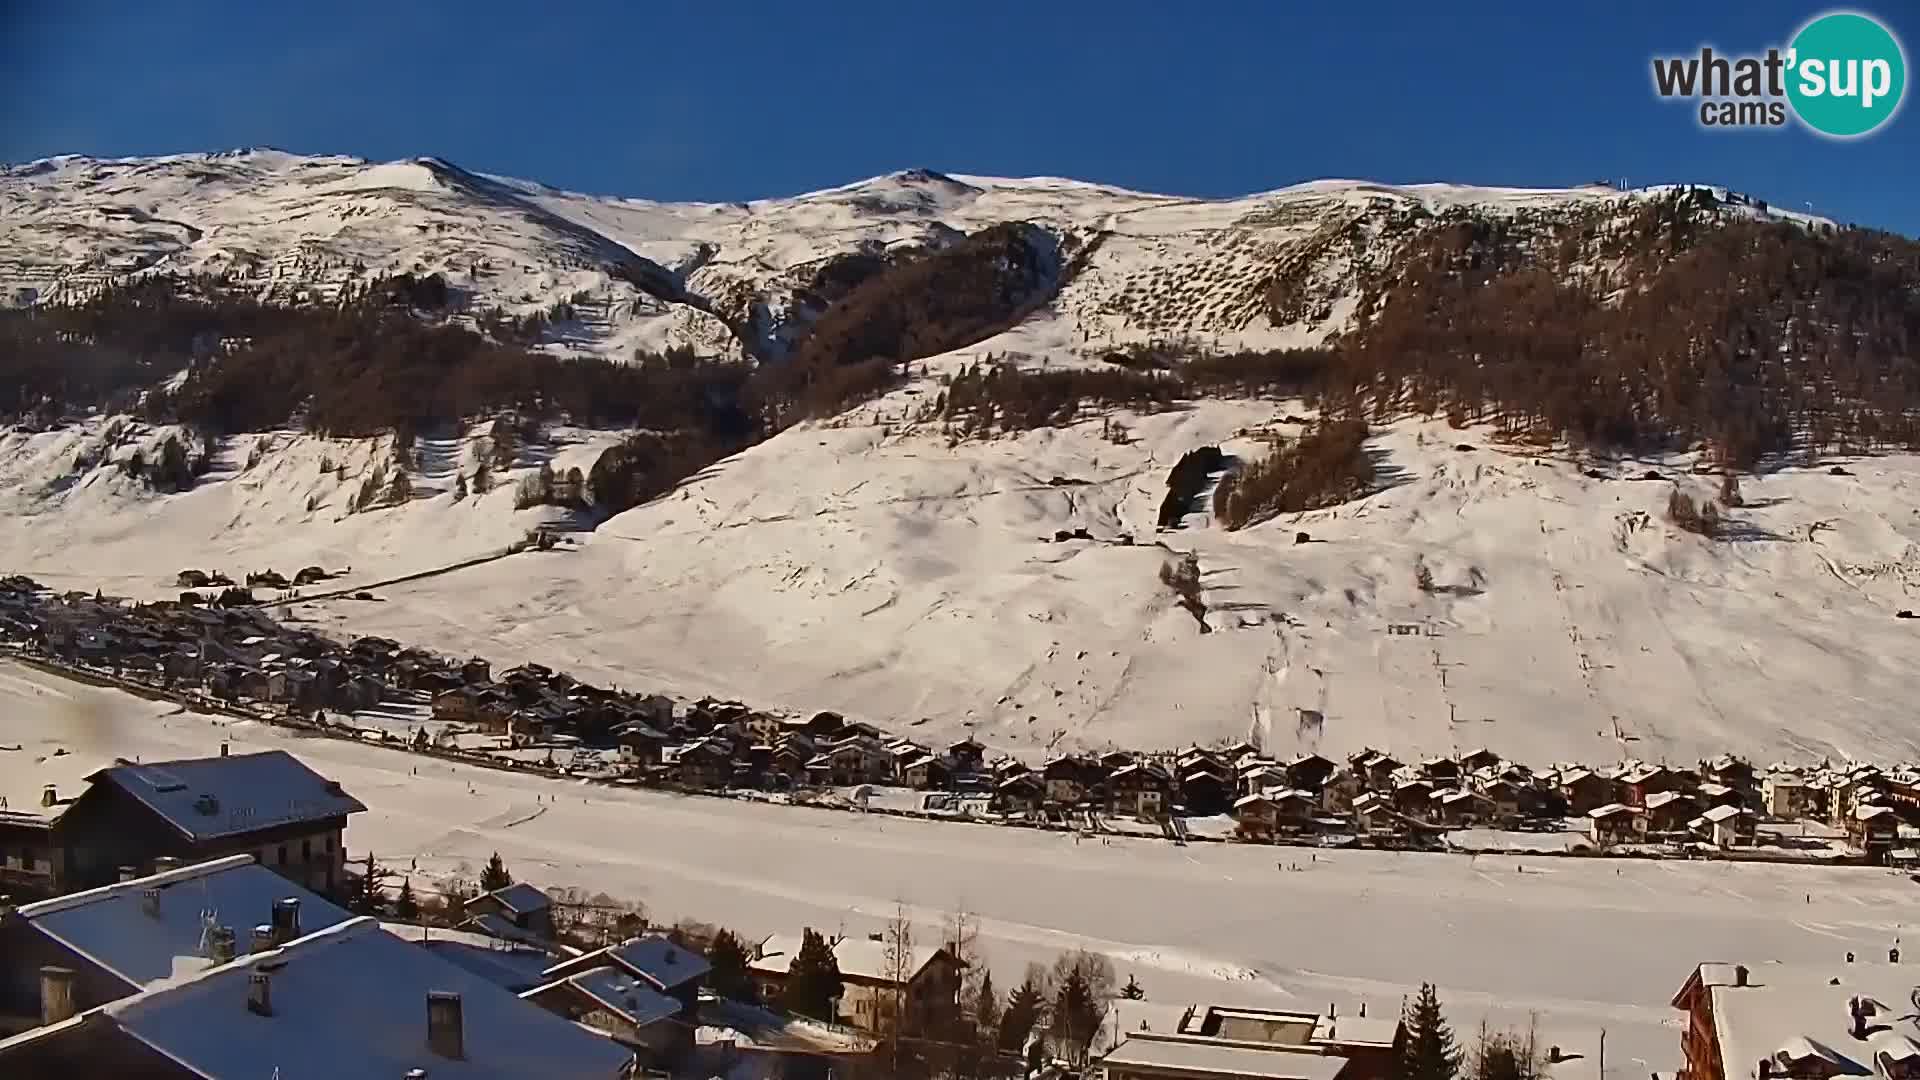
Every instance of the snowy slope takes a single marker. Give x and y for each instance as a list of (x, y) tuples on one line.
[(868, 565)]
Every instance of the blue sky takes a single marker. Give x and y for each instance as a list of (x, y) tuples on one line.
[(673, 100)]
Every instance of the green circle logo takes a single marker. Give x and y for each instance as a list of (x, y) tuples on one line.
[(1848, 74)]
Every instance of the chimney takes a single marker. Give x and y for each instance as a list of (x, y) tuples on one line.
[(1857, 1016), (150, 902), (445, 1036), (286, 920), (220, 944), (165, 863), (1363, 1010), (1740, 974), (56, 994), (416, 1074), (49, 796), (1332, 1013), (1849, 958), (128, 873), (262, 939), (1893, 955), (259, 993)]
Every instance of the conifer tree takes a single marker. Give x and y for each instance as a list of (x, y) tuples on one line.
[(495, 875), (813, 978), (1021, 1016), (728, 957), (986, 1009), (1431, 1053), (405, 907)]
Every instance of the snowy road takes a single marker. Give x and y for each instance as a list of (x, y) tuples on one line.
[(1589, 944)]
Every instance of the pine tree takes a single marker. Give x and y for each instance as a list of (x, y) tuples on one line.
[(1076, 1016), (482, 477), (459, 486), (405, 907), (986, 1009), (813, 979), (728, 957), (1021, 1016), (495, 876), (1431, 1053)]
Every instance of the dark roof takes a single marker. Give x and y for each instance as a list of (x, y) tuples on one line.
[(210, 798), (521, 898), (654, 958)]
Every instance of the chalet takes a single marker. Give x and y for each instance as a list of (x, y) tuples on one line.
[(130, 815), (639, 743), (1020, 794), (516, 911), (1375, 769), (926, 773), (1230, 1043), (1413, 798), (1586, 791), (704, 763), (1198, 760), (1647, 780), (1509, 799), (1714, 793), (1373, 815), (1114, 760), (872, 984), (859, 760), (1203, 792), (1729, 770), (1786, 796), (1257, 776), (624, 1008), (1616, 824), (1255, 817), (1268, 814), (1141, 790), (1799, 1021), (476, 671), (1443, 772), (1309, 772), (1874, 830), (660, 963), (967, 755), (1726, 826), (1460, 808), (1479, 760), (1070, 779), (1669, 812)]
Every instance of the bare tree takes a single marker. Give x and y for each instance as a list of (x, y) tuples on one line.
[(899, 969)]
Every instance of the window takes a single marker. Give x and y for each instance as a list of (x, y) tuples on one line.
[(306, 851), (283, 855)]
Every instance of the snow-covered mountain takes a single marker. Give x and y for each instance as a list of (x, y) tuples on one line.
[(877, 564), (1164, 268)]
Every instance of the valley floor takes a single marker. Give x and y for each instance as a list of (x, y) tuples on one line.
[(1588, 944)]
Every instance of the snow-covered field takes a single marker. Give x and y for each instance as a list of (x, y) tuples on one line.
[(1586, 943), (877, 571)]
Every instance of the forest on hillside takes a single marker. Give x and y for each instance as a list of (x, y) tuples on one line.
[(1683, 324)]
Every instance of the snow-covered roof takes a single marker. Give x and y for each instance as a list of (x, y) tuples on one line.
[(214, 797), (521, 898), (1610, 810), (619, 993), (112, 927), (857, 957), (661, 962), (351, 1000), (1661, 798), (1190, 1054), (1723, 813), (1803, 1011)]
